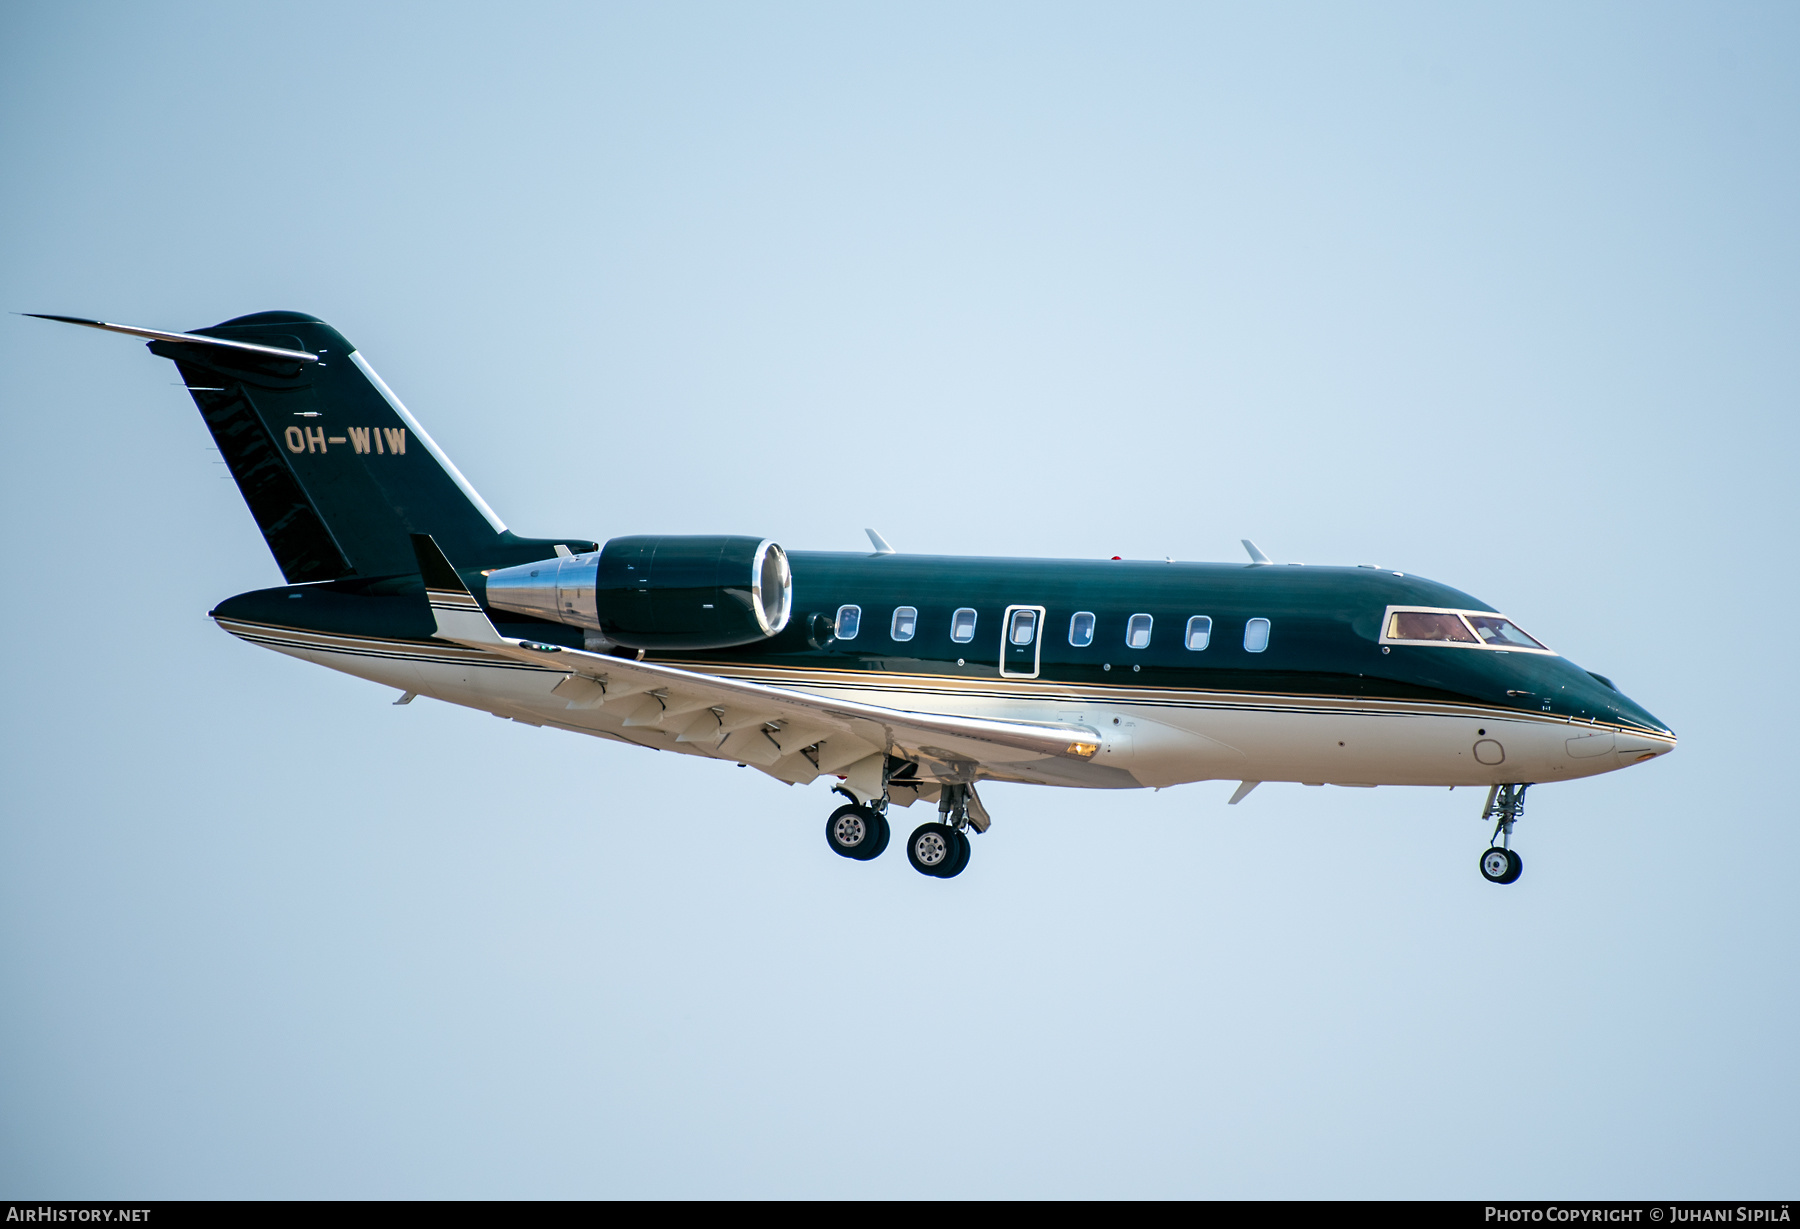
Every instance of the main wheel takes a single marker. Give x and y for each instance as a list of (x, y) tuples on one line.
[(960, 859), (856, 832), (1500, 865), (932, 848)]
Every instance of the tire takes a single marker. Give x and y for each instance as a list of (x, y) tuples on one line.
[(1515, 870), (960, 861), (882, 838), (1496, 864), (931, 847), (855, 832)]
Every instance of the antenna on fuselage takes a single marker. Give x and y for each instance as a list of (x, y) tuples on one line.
[(1257, 558), (879, 542)]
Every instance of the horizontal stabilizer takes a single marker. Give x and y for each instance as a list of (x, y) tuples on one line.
[(192, 339)]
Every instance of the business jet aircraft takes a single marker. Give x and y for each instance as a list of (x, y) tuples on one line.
[(907, 677)]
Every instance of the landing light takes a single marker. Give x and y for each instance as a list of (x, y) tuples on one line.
[(1083, 749)]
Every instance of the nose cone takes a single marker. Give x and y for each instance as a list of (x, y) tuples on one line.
[(1643, 737), (1641, 748), (1626, 711)]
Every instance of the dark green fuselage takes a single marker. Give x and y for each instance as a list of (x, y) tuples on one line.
[(1323, 641)]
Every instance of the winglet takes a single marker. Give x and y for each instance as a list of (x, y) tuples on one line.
[(459, 616), (1257, 558), (879, 542)]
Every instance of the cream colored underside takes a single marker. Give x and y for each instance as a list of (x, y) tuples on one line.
[(1154, 737)]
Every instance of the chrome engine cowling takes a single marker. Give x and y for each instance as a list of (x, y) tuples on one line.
[(659, 592), (560, 590)]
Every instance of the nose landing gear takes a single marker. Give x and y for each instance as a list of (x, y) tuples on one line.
[(1500, 866), (1505, 803)]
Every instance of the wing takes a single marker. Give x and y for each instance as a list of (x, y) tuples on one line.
[(794, 735)]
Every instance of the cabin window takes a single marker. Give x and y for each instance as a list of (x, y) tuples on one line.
[(1501, 633), (906, 622), (1024, 627), (1256, 635), (1199, 632), (1137, 632), (1081, 629), (962, 625), (1424, 625), (849, 621)]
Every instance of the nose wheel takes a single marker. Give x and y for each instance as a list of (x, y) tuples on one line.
[(1501, 866), (1505, 803)]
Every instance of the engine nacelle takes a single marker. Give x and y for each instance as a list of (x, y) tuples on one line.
[(659, 592)]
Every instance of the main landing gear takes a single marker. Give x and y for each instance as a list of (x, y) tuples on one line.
[(940, 850), (857, 831), (1505, 803)]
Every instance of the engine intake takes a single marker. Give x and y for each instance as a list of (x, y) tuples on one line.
[(659, 592)]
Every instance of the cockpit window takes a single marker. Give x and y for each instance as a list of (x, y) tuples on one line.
[(1501, 633), (1423, 625), (1463, 629)]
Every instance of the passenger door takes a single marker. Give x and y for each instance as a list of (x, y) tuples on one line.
[(1021, 641)]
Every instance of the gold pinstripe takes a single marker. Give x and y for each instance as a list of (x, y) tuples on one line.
[(892, 683)]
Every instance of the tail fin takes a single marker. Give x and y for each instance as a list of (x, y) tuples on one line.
[(335, 470)]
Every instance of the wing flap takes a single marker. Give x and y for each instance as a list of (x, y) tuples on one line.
[(803, 718), (843, 750)]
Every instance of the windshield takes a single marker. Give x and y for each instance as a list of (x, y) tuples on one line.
[(1469, 629), (1422, 625), (1501, 633)]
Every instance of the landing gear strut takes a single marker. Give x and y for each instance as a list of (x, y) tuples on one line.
[(858, 831), (941, 850), (1505, 803)]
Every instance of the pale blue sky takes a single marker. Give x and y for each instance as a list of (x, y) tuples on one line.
[(1502, 295)]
